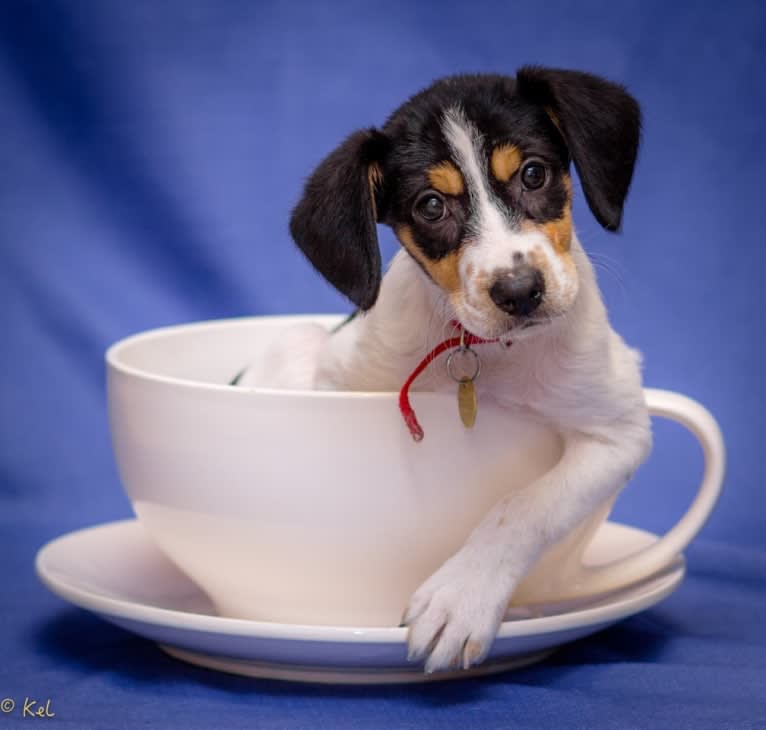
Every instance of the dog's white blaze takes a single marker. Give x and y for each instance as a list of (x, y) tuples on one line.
[(496, 242), (465, 141)]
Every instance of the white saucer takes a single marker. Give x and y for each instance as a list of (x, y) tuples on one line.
[(116, 571)]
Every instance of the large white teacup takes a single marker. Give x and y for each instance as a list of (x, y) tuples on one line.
[(318, 507)]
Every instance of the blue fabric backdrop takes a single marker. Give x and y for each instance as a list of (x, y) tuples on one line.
[(149, 156)]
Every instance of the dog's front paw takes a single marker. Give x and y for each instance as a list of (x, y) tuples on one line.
[(454, 616)]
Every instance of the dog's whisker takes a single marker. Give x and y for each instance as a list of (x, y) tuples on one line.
[(607, 264)]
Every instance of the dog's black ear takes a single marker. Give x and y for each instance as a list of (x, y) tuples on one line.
[(601, 125), (334, 223)]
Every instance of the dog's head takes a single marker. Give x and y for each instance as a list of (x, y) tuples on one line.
[(472, 174)]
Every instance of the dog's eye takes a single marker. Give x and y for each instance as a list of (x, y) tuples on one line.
[(431, 207), (533, 176)]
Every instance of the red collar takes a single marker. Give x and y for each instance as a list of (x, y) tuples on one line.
[(462, 338)]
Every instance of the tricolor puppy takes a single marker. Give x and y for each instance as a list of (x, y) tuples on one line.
[(473, 176)]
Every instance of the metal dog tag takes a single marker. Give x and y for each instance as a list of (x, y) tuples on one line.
[(466, 402)]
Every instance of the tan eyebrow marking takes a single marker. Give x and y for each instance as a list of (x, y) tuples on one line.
[(506, 159), (446, 178)]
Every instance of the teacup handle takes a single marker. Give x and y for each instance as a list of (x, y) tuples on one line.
[(697, 419)]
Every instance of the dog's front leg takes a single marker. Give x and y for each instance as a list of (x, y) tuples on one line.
[(454, 616)]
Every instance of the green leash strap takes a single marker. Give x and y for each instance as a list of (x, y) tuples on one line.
[(235, 380)]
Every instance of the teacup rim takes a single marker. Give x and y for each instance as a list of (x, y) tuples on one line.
[(114, 351)]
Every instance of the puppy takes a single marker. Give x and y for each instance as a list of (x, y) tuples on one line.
[(473, 176)]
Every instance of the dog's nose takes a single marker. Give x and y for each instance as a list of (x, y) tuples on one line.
[(519, 292)]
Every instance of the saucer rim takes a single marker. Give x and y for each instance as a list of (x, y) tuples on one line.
[(608, 607), (378, 676)]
